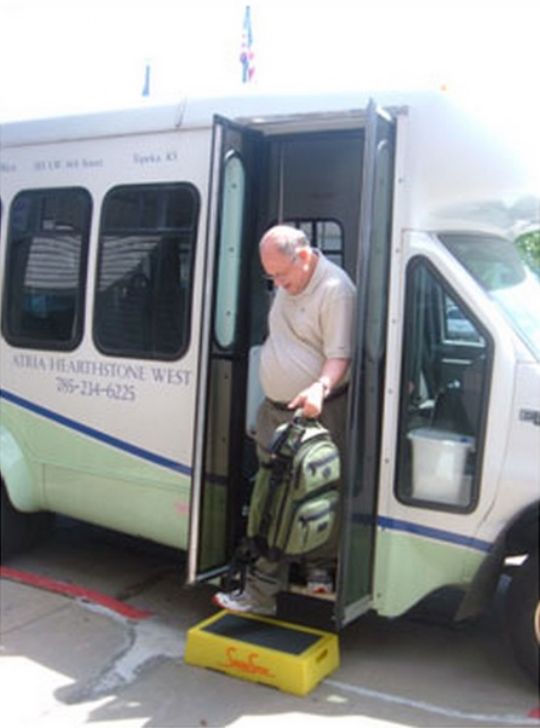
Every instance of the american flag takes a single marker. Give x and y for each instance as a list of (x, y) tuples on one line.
[(247, 56)]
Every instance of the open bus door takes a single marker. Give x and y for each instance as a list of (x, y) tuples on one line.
[(217, 479), (217, 470), (361, 470)]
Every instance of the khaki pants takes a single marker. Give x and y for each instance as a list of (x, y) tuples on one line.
[(266, 578)]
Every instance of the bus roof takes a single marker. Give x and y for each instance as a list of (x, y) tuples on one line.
[(458, 158), (197, 112)]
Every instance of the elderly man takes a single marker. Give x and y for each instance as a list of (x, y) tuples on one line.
[(304, 365)]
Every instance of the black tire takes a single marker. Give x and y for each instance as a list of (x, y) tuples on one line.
[(20, 531), (523, 616)]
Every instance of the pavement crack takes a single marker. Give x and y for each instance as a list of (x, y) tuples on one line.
[(34, 620), (147, 643)]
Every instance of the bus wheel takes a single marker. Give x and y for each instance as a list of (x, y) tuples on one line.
[(19, 531), (523, 615)]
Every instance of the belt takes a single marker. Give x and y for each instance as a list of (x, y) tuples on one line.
[(334, 394)]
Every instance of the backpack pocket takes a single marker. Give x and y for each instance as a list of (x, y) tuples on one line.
[(316, 465), (311, 524)]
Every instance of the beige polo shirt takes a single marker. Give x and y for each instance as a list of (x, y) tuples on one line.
[(307, 329)]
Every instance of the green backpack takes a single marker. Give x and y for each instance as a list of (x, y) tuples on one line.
[(295, 499)]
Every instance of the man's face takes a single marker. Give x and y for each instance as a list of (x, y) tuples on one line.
[(285, 272)]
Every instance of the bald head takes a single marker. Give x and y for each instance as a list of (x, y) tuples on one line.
[(283, 239), (287, 258)]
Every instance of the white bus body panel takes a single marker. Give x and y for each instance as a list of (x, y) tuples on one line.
[(460, 169), (510, 472), (159, 417)]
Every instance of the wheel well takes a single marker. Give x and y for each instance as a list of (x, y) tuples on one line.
[(518, 539), (521, 536), (4, 488)]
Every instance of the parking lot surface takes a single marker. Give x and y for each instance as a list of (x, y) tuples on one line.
[(93, 632)]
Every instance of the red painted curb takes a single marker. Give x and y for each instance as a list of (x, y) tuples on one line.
[(71, 590)]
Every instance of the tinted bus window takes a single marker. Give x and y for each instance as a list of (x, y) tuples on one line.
[(46, 264), (145, 271)]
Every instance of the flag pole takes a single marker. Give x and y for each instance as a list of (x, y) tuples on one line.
[(146, 87)]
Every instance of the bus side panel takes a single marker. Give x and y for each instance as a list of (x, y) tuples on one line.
[(114, 434), (20, 474), (412, 566), (101, 484), (422, 544)]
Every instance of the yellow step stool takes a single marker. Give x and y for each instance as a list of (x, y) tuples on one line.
[(284, 655)]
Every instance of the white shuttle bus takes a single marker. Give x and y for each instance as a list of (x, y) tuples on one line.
[(133, 306)]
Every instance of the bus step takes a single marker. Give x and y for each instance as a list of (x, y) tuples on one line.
[(288, 657)]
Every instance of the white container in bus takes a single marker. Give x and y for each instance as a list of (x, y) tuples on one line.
[(439, 460)]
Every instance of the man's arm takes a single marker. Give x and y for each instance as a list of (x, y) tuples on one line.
[(311, 398)]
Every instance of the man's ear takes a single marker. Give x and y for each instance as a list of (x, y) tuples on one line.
[(304, 254)]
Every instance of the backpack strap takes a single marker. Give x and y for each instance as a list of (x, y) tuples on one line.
[(244, 556), (284, 449), (288, 441), (279, 466)]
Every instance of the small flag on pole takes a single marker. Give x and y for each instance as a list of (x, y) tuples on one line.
[(146, 87), (247, 56)]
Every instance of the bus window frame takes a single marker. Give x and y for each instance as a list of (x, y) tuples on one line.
[(28, 342), (186, 340), (447, 291)]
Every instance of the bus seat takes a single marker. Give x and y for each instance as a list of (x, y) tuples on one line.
[(458, 406), (473, 390), (170, 301)]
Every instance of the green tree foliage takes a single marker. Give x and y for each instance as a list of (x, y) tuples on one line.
[(529, 247)]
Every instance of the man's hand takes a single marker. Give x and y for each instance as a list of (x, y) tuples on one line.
[(310, 400)]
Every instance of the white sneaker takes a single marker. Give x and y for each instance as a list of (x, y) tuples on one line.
[(242, 602)]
